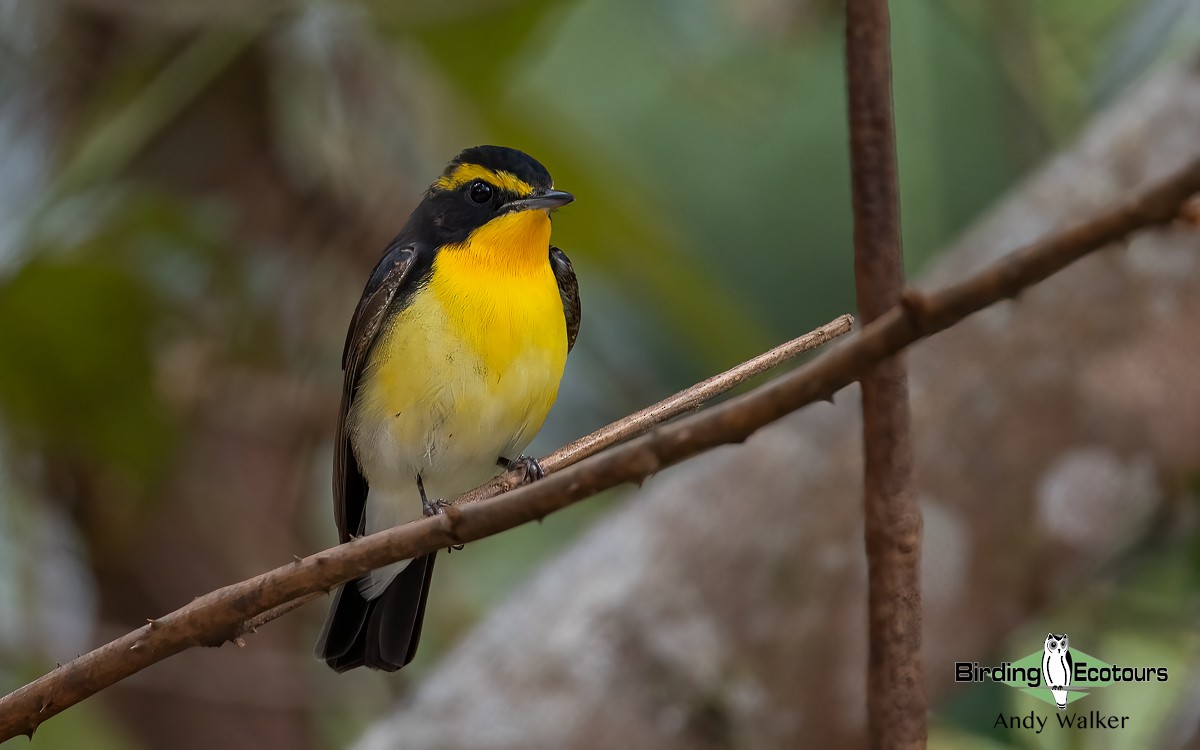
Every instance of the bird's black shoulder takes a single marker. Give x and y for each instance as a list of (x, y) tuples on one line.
[(404, 268), (568, 290)]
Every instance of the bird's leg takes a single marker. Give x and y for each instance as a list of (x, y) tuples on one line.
[(429, 508), (527, 466), (434, 508)]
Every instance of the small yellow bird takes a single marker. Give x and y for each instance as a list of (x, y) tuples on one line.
[(452, 361)]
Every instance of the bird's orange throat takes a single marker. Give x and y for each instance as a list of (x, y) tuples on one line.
[(499, 295), (512, 244)]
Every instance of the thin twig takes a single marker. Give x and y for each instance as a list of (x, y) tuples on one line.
[(692, 398), (638, 423), (254, 623), (215, 617), (896, 710), (681, 403)]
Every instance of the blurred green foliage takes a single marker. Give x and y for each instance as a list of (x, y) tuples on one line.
[(76, 360)]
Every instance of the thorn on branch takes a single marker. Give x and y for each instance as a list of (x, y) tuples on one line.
[(154, 624), (297, 558), (648, 463), (138, 646)]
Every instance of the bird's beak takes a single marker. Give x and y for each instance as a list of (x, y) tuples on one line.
[(546, 201)]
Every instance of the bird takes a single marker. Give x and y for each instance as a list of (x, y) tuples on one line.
[(452, 360)]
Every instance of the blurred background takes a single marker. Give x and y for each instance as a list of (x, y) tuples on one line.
[(192, 195)]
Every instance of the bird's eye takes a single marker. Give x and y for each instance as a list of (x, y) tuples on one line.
[(480, 192)]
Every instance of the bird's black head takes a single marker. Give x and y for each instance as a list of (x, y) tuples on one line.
[(481, 184), (502, 159)]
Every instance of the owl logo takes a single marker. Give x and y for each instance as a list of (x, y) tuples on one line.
[(1057, 667)]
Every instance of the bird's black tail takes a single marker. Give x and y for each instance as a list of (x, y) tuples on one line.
[(382, 633)]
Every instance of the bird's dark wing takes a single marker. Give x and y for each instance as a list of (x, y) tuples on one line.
[(568, 289), (397, 275)]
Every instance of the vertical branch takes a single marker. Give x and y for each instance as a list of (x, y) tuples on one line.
[(895, 684)]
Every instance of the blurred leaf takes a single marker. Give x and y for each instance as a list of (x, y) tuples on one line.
[(477, 47), (76, 370), (1138, 40), (105, 148), (963, 134)]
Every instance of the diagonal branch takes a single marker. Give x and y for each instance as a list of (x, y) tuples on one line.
[(625, 428), (219, 616)]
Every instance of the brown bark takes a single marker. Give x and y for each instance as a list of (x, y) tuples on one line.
[(892, 518), (715, 611)]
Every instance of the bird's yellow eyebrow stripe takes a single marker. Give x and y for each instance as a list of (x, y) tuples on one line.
[(465, 173)]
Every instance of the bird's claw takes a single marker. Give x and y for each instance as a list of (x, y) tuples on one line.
[(437, 508), (527, 467), (433, 508)]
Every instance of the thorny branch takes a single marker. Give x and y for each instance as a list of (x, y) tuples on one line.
[(220, 615), (895, 685), (625, 428)]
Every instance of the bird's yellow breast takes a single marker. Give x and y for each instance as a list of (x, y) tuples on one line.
[(471, 367), (500, 293)]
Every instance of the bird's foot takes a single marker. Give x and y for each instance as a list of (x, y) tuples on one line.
[(435, 508), (526, 467)]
